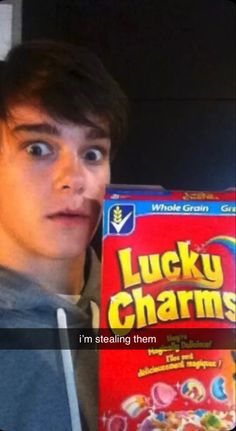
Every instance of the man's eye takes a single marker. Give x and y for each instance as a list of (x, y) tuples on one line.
[(39, 149), (93, 155)]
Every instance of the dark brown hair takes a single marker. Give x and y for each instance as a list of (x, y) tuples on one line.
[(68, 82)]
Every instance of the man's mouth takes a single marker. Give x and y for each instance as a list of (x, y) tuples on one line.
[(69, 217)]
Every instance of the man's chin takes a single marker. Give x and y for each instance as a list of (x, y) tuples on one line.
[(64, 252)]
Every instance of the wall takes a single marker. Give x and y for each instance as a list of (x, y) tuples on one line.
[(176, 61), (10, 24)]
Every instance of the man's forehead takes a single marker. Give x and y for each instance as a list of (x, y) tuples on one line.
[(30, 114), (21, 113)]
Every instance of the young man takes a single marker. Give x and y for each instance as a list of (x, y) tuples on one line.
[(61, 118)]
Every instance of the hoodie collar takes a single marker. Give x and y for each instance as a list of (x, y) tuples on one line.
[(18, 292)]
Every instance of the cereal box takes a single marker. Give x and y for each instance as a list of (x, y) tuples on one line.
[(167, 359)]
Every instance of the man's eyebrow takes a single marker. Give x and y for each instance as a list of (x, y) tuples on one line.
[(98, 132), (46, 128)]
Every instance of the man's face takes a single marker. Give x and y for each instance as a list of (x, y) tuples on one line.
[(53, 176)]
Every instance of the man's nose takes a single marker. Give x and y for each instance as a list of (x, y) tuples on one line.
[(69, 174)]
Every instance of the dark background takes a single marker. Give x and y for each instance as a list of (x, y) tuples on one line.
[(176, 61)]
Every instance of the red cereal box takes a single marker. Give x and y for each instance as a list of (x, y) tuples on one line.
[(167, 338)]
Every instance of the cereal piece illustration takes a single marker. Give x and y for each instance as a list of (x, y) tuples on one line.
[(194, 390), (230, 416), (146, 425), (212, 421), (162, 394), (117, 423), (200, 412), (229, 419), (161, 416), (218, 389), (197, 420), (153, 422), (193, 427), (135, 405), (173, 420)]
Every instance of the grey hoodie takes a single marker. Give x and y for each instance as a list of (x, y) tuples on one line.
[(35, 394)]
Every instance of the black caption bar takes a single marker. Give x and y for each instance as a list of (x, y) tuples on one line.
[(164, 339)]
